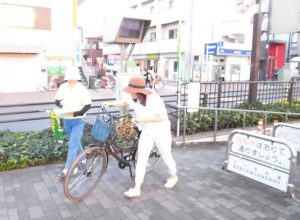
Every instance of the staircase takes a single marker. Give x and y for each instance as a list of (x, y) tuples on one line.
[(87, 74), (83, 77)]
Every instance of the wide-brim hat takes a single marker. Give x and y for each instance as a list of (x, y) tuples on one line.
[(72, 73), (137, 85)]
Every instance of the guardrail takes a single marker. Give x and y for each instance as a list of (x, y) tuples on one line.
[(217, 110)]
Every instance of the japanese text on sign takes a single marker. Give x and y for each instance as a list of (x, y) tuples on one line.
[(264, 150), (268, 176)]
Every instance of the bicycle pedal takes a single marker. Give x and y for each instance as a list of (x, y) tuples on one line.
[(127, 158), (122, 165)]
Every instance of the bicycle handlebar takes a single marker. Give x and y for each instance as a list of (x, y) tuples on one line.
[(113, 116)]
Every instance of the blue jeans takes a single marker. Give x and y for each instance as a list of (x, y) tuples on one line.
[(74, 129)]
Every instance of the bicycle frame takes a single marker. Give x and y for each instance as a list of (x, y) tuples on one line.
[(96, 157), (106, 82), (125, 157)]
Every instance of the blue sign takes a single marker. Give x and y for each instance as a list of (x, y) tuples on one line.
[(216, 49), (233, 52), (220, 44), (211, 49)]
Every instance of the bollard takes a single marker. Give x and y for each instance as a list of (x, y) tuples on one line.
[(260, 125)]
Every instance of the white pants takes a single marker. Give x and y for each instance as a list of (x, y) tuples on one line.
[(163, 140)]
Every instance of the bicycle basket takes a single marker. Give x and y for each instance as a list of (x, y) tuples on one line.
[(124, 134), (101, 130)]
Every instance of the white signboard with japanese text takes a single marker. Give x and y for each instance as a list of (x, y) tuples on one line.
[(250, 169), (261, 158), (193, 96), (273, 153)]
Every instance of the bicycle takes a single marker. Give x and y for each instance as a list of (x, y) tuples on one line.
[(91, 164), (158, 84), (105, 82)]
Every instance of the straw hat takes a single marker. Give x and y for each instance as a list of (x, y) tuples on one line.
[(72, 73), (136, 85)]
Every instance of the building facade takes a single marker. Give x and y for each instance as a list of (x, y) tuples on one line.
[(38, 40), (180, 31), (285, 24)]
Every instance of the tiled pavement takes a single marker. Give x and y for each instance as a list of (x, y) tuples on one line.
[(204, 191)]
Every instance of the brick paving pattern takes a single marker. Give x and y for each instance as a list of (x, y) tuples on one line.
[(204, 191)]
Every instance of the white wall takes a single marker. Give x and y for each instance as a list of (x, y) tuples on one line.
[(20, 72), (285, 16), (244, 63)]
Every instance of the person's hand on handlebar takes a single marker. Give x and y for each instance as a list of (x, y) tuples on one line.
[(59, 103), (138, 119)]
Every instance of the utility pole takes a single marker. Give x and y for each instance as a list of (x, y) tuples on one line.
[(267, 69), (255, 55)]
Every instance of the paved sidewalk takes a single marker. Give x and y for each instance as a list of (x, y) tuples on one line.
[(204, 191)]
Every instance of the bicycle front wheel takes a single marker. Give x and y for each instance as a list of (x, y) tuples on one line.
[(85, 173)]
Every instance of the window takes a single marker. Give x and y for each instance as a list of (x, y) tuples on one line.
[(28, 17), (152, 36), (175, 66), (173, 34), (294, 40), (130, 28), (196, 58)]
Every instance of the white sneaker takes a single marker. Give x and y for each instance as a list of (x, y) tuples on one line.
[(131, 193), (171, 183)]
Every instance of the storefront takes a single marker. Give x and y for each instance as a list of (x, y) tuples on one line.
[(234, 58)]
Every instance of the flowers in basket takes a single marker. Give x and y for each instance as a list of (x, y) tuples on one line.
[(124, 134)]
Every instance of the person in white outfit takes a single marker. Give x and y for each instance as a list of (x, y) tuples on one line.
[(152, 118), (137, 69)]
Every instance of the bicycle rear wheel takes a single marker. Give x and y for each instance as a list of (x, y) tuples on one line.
[(153, 160), (97, 85), (85, 173), (158, 86)]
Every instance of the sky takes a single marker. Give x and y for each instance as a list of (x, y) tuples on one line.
[(91, 14)]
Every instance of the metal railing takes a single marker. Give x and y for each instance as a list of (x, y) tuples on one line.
[(85, 70), (216, 112), (230, 94)]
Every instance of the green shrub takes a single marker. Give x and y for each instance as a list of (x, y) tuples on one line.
[(204, 120), (23, 149)]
